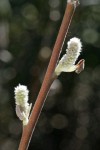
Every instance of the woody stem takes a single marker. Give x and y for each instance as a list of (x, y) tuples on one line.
[(49, 78)]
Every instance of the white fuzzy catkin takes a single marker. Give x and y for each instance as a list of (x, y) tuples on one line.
[(67, 62), (22, 106), (21, 95)]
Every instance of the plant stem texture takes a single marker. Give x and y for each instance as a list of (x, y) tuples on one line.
[(49, 77)]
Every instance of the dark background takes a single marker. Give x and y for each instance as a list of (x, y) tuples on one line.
[(70, 119)]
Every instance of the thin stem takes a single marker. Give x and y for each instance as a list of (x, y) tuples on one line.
[(49, 78)]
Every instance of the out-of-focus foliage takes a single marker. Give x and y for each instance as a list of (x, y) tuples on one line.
[(70, 119)]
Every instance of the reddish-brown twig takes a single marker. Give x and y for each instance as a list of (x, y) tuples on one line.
[(49, 78)]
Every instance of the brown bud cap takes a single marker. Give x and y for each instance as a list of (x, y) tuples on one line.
[(80, 66)]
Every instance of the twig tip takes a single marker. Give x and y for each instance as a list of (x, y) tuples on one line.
[(75, 2)]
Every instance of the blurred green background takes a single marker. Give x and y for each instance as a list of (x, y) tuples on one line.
[(70, 119)]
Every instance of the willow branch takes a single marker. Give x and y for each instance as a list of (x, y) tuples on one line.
[(49, 78)]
